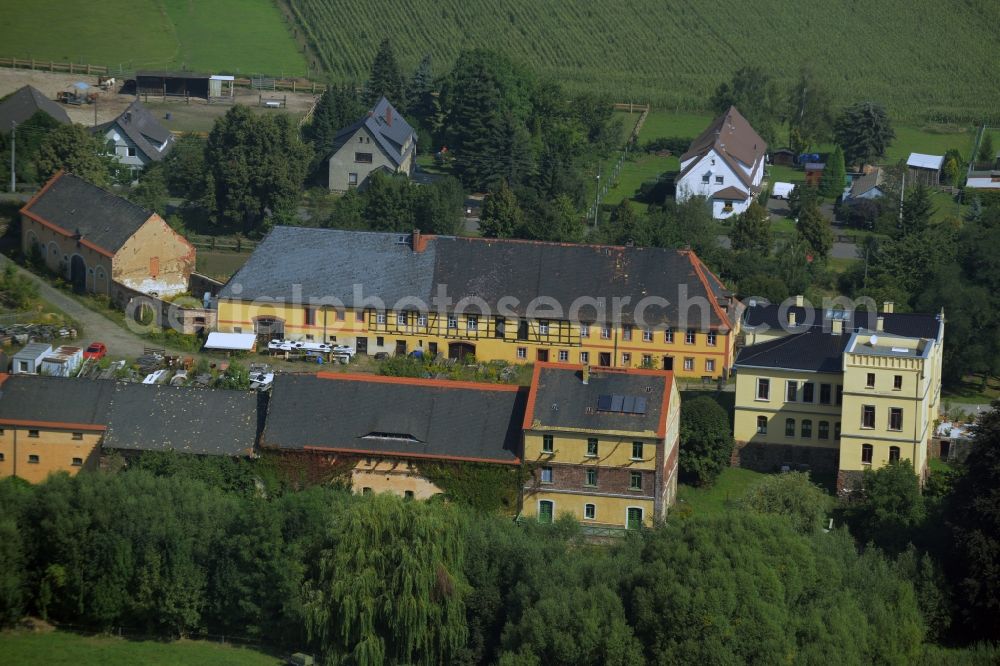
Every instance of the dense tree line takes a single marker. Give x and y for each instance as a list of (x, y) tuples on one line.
[(181, 546)]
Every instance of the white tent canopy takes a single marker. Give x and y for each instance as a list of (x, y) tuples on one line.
[(231, 341), (922, 161)]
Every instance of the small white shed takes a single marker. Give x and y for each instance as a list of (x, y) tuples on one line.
[(63, 362), (782, 190), (29, 359)]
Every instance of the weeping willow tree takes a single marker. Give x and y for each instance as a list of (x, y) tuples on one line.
[(391, 587)]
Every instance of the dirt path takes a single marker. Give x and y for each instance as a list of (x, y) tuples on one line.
[(120, 342), (196, 116)]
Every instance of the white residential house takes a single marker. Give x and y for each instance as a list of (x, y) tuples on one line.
[(135, 138), (381, 141), (725, 164)]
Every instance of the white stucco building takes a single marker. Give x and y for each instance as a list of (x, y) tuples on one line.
[(381, 141), (135, 138), (725, 164)]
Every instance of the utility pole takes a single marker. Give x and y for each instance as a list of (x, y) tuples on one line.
[(13, 133)]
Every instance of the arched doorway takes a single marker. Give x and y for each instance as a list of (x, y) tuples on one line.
[(78, 273), (460, 350)]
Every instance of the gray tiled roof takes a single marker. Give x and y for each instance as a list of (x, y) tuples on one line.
[(24, 103), (77, 207), (143, 129), (183, 419), (350, 412), (328, 263), (562, 400), (389, 129), (812, 350), (909, 324), (55, 399)]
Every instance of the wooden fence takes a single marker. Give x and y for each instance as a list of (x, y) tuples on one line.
[(291, 84), (230, 243), (54, 66)]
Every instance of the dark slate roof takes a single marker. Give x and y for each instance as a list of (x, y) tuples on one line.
[(329, 263), (560, 399), (77, 207), (346, 413), (145, 131), (911, 325), (24, 103), (55, 399), (183, 419), (389, 129), (811, 350), (164, 74)]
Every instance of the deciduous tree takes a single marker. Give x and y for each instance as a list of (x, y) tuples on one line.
[(808, 111), (752, 230), (755, 96), (502, 216), (74, 149), (706, 440)]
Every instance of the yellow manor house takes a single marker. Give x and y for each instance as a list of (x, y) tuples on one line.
[(835, 391), (517, 301)]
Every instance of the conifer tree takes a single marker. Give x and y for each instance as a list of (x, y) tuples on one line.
[(831, 184), (386, 80)]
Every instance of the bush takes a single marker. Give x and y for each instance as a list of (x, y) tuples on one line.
[(792, 495)]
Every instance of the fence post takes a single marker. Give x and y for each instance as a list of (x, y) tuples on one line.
[(52, 66), (70, 66), (88, 69)]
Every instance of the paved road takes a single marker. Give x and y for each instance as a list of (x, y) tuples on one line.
[(96, 326)]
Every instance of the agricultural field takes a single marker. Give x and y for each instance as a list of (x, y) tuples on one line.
[(675, 52), (234, 36), (59, 648)]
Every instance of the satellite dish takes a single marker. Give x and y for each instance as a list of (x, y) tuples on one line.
[(873, 340)]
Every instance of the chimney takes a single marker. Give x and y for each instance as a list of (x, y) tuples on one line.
[(388, 116), (838, 326), (888, 306), (585, 374), (418, 241), (800, 300), (880, 324), (791, 318)]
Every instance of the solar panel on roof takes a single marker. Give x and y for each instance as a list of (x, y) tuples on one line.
[(604, 402), (640, 405), (629, 405), (616, 402)]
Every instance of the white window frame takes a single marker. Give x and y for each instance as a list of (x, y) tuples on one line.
[(689, 363), (471, 323), (709, 365), (584, 357), (563, 355), (380, 318), (647, 335), (668, 336), (590, 508), (543, 327), (522, 352), (689, 337), (584, 330), (452, 322), (541, 476)]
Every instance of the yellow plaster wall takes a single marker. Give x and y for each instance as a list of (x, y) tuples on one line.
[(155, 238), (59, 262), (610, 511), (562, 336), (55, 450), (391, 476), (777, 409), (613, 450)]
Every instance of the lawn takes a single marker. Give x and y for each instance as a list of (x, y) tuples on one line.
[(664, 124), (220, 265), (720, 497), (931, 139), (198, 117), (60, 648), (636, 170), (234, 36), (972, 389)]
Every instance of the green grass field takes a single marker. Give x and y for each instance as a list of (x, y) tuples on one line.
[(60, 648), (675, 52), (719, 498), (235, 36)]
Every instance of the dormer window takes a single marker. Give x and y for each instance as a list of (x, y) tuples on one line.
[(396, 436)]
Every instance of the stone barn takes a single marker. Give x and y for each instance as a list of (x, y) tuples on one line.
[(102, 243)]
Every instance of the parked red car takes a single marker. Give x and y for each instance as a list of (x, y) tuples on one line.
[(96, 351)]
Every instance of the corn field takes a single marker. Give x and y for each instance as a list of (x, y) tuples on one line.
[(922, 59)]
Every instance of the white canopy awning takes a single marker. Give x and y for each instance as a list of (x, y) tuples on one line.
[(231, 341), (782, 190)]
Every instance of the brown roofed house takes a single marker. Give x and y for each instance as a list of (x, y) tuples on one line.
[(725, 164)]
